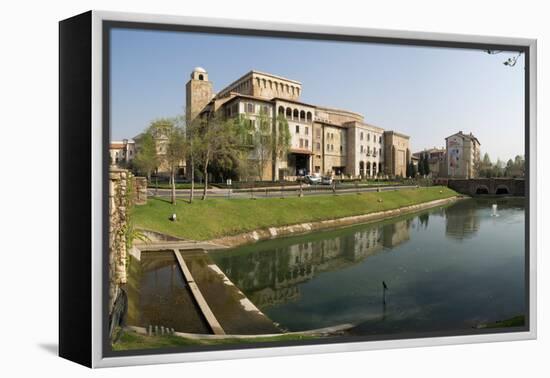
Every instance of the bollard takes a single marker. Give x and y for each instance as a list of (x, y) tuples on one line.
[(162, 330)]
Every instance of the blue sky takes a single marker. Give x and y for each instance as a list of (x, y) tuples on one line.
[(427, 93)]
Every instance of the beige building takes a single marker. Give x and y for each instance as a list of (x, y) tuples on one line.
[(396, 153), (436, 160), (462, 155), (324, 140), (122, 152)]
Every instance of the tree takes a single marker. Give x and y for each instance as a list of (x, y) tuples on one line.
[(216, 138), (421, 166), (176, 150), (281, 144), (426, 166), (263, 140), (194, 144), (146, 159), (509, 169), (486, 166)]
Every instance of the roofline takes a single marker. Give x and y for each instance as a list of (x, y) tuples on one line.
[(293, 102), (397, 133), (378, 128), (340, 111), (252, 72)]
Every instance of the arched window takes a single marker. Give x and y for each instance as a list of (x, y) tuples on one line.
[(258, 81), (265, 83), (270, 84), (281, 110), (297, 91), (362, 168), (287, 88), (292, 90), (288, 113), (309, 116), (302, 116), (201, 77), (295, 114)]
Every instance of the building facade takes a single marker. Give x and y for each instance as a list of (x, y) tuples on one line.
[(462, 155), (122, 152), (324, 140), (436, 160), (396, 153)]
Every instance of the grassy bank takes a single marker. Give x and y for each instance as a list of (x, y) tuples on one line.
[(213, 218), (133, 340)]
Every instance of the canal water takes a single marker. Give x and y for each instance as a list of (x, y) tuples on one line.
[(158, 295), (446, 269)]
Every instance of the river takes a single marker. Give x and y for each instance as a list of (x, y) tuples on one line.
[(445, 269)]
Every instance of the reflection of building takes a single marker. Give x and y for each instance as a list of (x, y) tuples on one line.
[(122, 153), (463, 222), (396, 233), (272, 276), (462, 155), (323, 140)]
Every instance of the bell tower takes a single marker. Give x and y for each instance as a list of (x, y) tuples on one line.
[(198, 93)]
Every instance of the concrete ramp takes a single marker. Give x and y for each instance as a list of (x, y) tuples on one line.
[(232, 310)]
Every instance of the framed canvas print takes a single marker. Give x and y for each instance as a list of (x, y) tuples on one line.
[(235, 189)]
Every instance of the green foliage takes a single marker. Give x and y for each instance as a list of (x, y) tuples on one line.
[(146, 159)]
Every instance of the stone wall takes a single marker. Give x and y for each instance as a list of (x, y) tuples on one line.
[(118, 211), (125, 191), (139, 190)]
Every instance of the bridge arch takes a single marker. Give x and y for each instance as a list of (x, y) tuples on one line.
[(502, 190), (481, 189)]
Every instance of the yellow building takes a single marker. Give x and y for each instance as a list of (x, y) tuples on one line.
[(324, 140)]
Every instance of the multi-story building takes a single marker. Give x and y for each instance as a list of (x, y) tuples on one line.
[(436, 160), (323, 140), (462, 151), (122, 152), (396, 153)]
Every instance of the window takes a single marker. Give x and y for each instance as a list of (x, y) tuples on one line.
[(297, 129), (249, 107), (318, 146), (361, 136), (380, 151), (265, 109), (328, 147), (307, 143), (368, 137), (318, 133), (301, 143), (361, 149), (307, 130), (380, 139), (341, 149), (201, 77)]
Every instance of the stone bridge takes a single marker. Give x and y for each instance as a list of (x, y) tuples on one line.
[(490, 186)]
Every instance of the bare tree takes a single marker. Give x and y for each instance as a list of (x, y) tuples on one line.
[(176, 150)]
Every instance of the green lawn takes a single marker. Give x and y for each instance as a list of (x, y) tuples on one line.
[(132, 340), (213, 218)]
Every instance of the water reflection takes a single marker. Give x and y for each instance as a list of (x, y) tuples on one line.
[(159, 295), (449, 267)]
